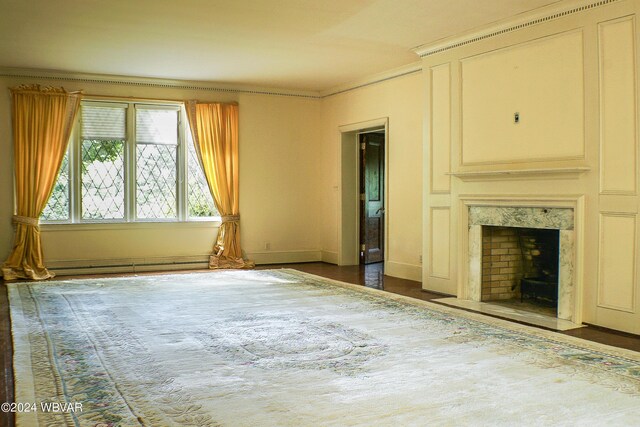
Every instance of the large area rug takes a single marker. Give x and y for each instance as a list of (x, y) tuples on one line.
[(284, 348)]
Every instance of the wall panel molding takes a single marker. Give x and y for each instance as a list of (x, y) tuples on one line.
[(618, 111), (542, 81), (440, 243), (440, 129), (617, 261)]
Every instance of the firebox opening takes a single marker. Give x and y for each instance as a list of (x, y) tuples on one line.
[(520, 268)]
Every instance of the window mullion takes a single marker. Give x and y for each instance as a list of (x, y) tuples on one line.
[(182, 169), (75, 175), (130, 168)]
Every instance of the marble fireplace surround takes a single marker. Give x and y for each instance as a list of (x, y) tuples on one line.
[(546, 217)]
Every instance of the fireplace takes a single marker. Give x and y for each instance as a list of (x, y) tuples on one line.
[(520, 266), (518, 252)]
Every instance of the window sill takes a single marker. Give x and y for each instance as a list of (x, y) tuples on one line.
[(86, 226)]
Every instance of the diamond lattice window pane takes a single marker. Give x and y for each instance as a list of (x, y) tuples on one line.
[(156, 181), (102, 179), (57, 208), (200, 201)]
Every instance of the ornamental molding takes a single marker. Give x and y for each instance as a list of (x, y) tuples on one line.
[(150, 82), (509, 25)]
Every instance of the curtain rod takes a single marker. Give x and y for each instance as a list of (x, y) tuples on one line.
[(157, 100)]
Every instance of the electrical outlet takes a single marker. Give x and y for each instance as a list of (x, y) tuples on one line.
[(267, 246), (420, 259)]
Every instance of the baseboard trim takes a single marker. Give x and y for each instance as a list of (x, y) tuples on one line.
[(330, 257), (284, 257), (404, 271)]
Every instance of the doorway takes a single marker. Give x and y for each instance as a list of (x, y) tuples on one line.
[(351, 221), (372, 207)]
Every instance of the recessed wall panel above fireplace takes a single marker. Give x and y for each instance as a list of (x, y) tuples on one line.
[(541, 82)]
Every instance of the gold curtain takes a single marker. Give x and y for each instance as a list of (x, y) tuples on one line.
[(214, 127), (42, 121)]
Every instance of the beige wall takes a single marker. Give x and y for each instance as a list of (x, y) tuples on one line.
[(279, 181), (280, 177), (573, 81), (400, 101)]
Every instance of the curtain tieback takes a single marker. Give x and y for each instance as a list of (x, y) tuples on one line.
[(230, 218), (18, 219)]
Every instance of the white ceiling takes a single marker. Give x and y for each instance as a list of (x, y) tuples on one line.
[(292, 44)]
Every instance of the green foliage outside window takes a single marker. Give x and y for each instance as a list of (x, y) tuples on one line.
[(100, 151)]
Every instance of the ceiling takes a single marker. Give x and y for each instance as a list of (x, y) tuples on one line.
[(290, 44)]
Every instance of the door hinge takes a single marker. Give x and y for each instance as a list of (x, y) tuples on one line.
[(363, 247), (363, 146), (363, 197)]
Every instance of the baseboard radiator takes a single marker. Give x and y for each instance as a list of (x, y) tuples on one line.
[(105, 266), (137, 265)]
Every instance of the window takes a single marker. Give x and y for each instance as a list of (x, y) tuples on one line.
[(130, 162), (102, 153), (156, 164)]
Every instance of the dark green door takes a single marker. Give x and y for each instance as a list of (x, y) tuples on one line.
[(371, 197)]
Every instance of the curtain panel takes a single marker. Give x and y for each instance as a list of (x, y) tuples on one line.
[(42, 119), (214, 127)]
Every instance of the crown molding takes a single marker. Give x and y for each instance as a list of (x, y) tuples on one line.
[(412, 68), (152, 82), (206, 85), (528, 19)]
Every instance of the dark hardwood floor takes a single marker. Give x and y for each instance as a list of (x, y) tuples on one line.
[(370, 276), (6, 356)]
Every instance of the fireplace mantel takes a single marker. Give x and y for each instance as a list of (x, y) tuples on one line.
[(518, 174), (550, 216), (522, 216)]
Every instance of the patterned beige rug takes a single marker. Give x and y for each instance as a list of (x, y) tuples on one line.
[(283, 348)]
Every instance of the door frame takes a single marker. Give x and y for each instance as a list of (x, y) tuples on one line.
[(349, 190)]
